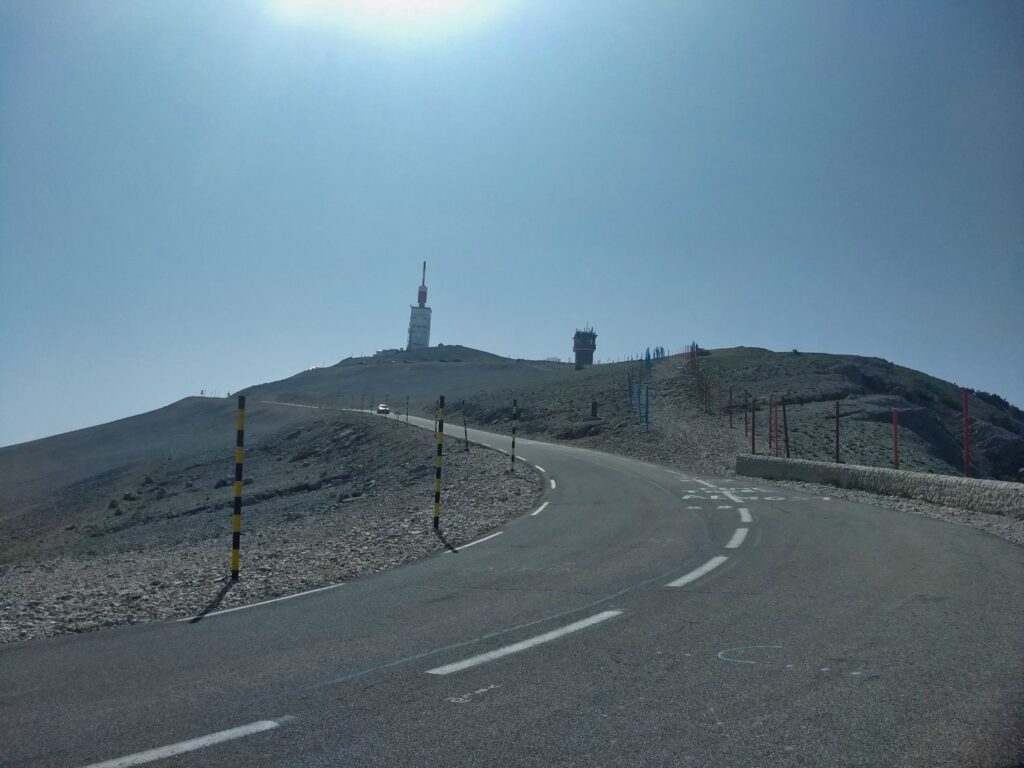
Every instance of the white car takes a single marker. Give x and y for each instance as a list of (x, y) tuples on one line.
[(383, 408)]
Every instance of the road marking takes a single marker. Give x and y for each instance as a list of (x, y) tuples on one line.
[(538, 466), (745, 515), (262, 602), (553, 486), (693, 507), (524, 645), (725, 506), (473, 543), (723, 657), (293, 405), (539, 509), (729, 496), (191, 745), (737, 538), (709, 485), (520, 458), (695, 574)]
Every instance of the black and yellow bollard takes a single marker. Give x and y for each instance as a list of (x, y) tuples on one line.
[(515, 417), (236, 518), (437, 461)]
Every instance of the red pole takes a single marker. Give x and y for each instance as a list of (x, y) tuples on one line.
[(730, 406), (895, 439), (967, 436), (837, 431), (785, 426), (753, 425)]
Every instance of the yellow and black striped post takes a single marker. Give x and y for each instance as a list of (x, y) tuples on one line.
[(515, 416), (437, 461), (236, 518)]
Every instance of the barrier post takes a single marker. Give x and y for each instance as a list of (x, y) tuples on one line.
[(437, 462), (753, 425), (236, 516), (895, 439), (647, 408), (465, 429), (967, 436), (785, 426), (837, 432), (515, 417), (730, 406)]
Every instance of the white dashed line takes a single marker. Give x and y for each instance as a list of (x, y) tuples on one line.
[(745, 515), (508, 650), (553, 486), (474, 543), (538, 466), (729, 496), (695, 574), (737, 538), (539, 509), (189, 746), (709, 485)]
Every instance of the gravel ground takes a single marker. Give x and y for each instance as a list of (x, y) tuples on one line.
[(292, 541)]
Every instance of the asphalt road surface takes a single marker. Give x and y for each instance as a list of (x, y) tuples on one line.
[(641, 616)]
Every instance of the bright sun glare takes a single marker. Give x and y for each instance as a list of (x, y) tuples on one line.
[(393, 20)]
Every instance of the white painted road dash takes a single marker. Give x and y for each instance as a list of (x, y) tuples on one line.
[(702, 482), (553, 486), (745, 515), (524, 645), (729, 496), (539, 509), (538, 466), (737, 538), (474, 543), (191, 745), (695, 574)]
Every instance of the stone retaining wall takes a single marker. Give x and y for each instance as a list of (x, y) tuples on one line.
[(992, 496)]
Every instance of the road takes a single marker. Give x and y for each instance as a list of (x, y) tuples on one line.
[(626, 622)]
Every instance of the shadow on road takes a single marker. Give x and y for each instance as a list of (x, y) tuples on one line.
[(445, 541), (215, 602)]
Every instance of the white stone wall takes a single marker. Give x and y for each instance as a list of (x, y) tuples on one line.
[(993, 496)]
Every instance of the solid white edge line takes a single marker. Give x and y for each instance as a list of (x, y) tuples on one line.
[(696, 573), (539, 509), (538, 466), (702, 482), (508, 650), (189, 746), (553, 486), (262, 602), (737, 538), (745, 515), (472, 543), (729, 496)]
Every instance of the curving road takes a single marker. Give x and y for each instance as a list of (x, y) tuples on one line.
[(627, 622)]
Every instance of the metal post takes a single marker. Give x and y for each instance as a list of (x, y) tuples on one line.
[(785, 426), (753, 425), (967, 436), (730, 406), (837, 431), (437, 461), (406, 409), (771, 412), (236, 517), (515, 417), (465, 429), (895, 439), (647, 408), (746, 427)]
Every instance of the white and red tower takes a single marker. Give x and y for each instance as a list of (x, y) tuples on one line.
[(419, 318)]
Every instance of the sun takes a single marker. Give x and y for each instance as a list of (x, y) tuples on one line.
[(393, 20)]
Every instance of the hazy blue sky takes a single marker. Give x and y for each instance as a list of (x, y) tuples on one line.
[(215, 194)]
